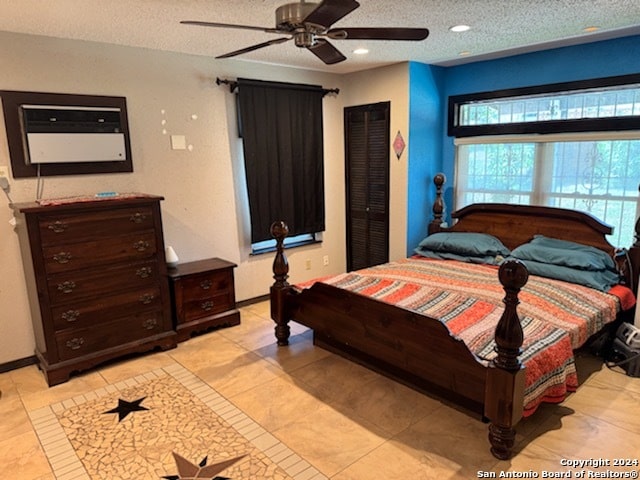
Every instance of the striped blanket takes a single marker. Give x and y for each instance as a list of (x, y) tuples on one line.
[(557, 317)]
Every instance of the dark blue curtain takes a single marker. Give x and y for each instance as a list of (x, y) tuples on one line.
[(281, 128)]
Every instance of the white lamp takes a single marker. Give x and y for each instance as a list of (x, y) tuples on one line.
[(171, 257)]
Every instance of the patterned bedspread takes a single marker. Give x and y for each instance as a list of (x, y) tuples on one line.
[(557, 317)]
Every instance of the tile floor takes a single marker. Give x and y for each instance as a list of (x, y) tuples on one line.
[(346, 421)]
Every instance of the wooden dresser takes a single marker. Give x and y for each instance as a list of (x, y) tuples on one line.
[(96, 277), (203, 295)]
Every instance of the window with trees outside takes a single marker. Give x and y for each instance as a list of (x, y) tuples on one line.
[(574, 146)]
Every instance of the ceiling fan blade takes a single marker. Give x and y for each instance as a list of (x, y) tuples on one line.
[(330, 11), (228, 25), (379, 33), (327, 52), (254, 47)]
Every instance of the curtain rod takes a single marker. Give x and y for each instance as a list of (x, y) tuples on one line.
[(233, 85)]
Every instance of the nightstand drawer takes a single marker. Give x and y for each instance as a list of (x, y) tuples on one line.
[(207, 284), (204, 307)]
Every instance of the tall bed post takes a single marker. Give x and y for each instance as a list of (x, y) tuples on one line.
[(504, 391), (438, 204), (280, 288)]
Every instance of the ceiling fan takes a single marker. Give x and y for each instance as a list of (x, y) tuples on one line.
[(309, 25)]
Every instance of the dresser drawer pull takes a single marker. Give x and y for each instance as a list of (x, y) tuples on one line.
[(66, 287), (146, 299), (150, 324), (75, 343), (144, 272), (141, 245), (70, 315), (62, 257), (137, 218), (206, 284), (206, 306), (57, 226)]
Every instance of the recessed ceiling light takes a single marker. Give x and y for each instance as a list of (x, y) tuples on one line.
[(464, 53), (590, 29), (361, 51), (459, 28)]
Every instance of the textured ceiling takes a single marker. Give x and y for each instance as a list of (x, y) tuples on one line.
[(498, 27)]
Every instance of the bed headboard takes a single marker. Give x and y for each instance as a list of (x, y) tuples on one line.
[(517, 224)]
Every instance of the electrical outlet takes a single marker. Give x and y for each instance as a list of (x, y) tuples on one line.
[(307, 264), (325, 260), (4, 171)]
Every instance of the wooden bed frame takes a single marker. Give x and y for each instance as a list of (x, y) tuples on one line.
[(418, 350)]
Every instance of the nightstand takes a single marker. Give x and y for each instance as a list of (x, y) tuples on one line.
[(203, 296)]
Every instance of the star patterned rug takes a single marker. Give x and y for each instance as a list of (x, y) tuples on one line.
[(164, 424)]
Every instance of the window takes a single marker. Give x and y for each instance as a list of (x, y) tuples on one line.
[(596, 171), (282, 139)]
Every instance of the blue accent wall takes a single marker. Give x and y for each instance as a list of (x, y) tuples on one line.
[(425, 146), (431, 86)]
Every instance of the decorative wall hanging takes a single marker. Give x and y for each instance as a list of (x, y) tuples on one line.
[(398, 145)]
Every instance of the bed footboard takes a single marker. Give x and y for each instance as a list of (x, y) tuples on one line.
[(392, 340)]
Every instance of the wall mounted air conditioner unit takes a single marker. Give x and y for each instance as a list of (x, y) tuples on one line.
[(69, 134)]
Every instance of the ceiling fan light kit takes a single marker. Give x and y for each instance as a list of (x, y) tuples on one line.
[(308, 24)]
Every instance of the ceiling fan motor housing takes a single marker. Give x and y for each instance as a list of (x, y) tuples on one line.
[(290, 17)]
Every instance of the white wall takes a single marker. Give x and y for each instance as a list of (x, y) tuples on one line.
[(203, 211)]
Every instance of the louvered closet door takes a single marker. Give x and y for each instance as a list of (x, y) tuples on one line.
[(367, 184)]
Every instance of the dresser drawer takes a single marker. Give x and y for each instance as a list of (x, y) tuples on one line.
[(70, 228), (79, 284), (207, 285), (82, 341), (96, 311), (194, 309), (131, 247)]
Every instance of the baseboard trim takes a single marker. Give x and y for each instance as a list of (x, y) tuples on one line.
[(251, 301), (15, 364)]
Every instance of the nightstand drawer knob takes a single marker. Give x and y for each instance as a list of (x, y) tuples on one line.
[(150, 324), (137, 218), (146, 299), (66, 287), (206, 306), (144, 272), (58, 226), (206, 284), (62, 257), (75, 343), (70, 315)]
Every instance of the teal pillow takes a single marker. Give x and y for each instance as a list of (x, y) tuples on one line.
[(464, 243), (601, 280), (587, 253), (485, 260), (584, 259)]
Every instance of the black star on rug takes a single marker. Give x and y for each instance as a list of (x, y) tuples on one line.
[(191, 471), (124, 408)]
